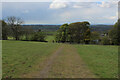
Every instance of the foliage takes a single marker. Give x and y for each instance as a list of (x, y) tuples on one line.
[(38, 36), (15, 25), (115, 34), (74, 33), (5, 30), (28, 31), (87, 36), (61, 35), (105, 40), (79, 32), (94, 37)]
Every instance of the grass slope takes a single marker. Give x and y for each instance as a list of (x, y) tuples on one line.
[(102, 60), (50, 38), (20, 57)]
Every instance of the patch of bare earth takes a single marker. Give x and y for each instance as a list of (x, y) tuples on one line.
[(64, 63)]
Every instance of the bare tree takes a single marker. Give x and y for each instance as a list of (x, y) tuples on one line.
[(15, 25)]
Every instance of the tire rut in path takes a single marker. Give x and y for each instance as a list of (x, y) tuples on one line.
[(44, 72)]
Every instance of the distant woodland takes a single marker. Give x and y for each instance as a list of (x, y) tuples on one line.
[(99, 28)]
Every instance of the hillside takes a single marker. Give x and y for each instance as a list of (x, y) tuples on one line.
[(100, 28)]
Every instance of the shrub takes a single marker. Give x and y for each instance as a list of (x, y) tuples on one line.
[(38, 36), (105, 40)]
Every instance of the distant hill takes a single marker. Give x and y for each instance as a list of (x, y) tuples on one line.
[(44, 27), (99, 28)]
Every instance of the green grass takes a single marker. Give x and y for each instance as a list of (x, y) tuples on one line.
[(50, 38), (10, 38), (20, 57), (101, 60)]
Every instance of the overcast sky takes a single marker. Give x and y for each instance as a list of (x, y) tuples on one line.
[(62, 12)]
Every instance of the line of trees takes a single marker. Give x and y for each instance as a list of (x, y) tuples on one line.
[(12, 27), (80, 32)]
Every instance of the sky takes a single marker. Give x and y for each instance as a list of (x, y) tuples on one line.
[(56, 12)]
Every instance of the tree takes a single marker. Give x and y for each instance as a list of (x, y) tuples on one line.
[(87, 36), (4, 30), (58, 36), (28, 31), (95, 36), (0, 30), (79, 31), (15, 26), (74, 32), (39, 36), (114, 33), (61, 35), (105, 40)]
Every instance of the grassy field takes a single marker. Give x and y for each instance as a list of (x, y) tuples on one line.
[(50, 38), (101, 60), (20, 57)]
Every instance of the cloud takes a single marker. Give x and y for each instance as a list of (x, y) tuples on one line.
[(57, 4), (112, 17), (61, 12), (26, 11), (108, 4), (84, 5), (56, 0), (104, 4), (0, 10)]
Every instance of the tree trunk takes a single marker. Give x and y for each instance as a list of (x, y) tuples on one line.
[(17, 38), (4, 37)]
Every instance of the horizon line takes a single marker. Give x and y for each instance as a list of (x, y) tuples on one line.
[(62, 24)]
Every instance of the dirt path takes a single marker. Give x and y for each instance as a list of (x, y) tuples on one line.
[(69, 65), (64, 63), (44, 72)]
